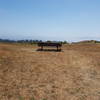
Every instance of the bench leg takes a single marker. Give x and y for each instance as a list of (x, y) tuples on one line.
[(57, 48), (41, 47)]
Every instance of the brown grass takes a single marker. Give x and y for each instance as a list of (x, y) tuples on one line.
[(27, 74)]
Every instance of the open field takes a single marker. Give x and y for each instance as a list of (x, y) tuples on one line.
[(27, 74)]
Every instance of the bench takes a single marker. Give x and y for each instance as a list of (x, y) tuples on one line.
[(51, 44)]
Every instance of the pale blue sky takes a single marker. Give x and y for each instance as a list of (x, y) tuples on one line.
[(50, 19)]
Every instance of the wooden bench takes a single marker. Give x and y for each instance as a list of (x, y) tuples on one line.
[(52, 44)]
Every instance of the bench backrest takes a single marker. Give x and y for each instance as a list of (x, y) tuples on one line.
[(49, 44)]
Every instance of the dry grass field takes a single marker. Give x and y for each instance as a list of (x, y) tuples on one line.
[(28, 74)]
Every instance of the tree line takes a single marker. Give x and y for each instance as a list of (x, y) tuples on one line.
[(28, 41)]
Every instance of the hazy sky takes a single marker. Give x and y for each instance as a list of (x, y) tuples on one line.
[(50, 19)]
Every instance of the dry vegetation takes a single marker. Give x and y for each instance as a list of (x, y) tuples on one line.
[(27, 74)]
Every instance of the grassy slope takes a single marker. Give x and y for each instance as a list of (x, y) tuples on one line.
[(72, 74)]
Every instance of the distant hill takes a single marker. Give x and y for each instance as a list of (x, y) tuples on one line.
[(87, 41)]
